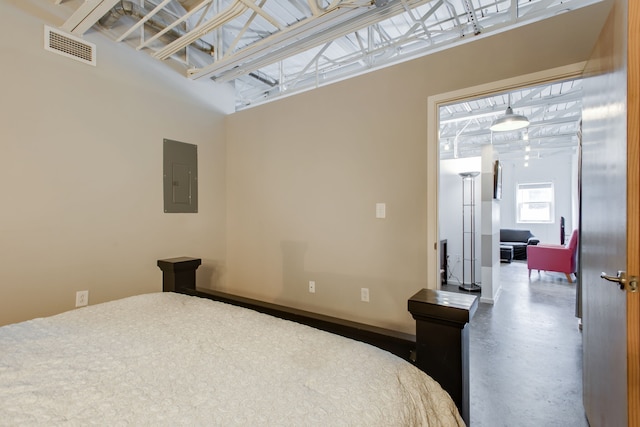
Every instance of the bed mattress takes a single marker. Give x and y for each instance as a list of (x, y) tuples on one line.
[(170, 359)]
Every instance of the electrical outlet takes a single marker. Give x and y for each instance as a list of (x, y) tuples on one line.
[(82, 298), (364, 294), (312, 287)]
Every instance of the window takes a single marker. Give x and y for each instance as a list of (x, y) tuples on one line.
[(535, 202)]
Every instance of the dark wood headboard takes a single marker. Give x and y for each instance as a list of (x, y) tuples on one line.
[(398, 343), (439, 348)]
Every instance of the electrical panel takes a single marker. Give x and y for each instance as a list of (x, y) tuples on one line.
[(180, 167)]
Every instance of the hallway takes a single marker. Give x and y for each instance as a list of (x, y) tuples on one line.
[(526, 353)]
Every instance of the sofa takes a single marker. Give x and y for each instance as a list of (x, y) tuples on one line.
[(513, 243)]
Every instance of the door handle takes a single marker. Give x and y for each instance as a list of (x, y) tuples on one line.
[(622, 281)]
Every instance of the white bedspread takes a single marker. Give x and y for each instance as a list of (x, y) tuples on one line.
[(175, 360)]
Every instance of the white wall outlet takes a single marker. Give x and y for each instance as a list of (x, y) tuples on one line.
[(312, 287), (82, 298), (364, 294), (381, 210)]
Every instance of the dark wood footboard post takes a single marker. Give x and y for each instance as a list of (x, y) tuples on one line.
[(442, 340), (178, 273)]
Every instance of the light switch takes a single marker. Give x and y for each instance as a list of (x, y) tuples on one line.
[(381, 210)]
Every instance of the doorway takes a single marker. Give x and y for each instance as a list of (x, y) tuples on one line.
[(532, 175), (447, 172), (435, 144)]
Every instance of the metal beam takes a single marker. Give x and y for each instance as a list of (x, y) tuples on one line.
[(176, 23), (143, 20), (232, 11), (87, 15)]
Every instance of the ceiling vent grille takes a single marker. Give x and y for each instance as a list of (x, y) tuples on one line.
[(70, 46)]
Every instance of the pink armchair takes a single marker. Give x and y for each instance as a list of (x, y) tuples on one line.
[(557, 258)]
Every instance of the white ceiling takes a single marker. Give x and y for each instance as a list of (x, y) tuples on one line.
[(271, 48), (554, 112)]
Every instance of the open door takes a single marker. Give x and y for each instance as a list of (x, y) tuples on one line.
[(610, 232)]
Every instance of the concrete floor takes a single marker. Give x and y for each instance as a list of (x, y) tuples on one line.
[(526, 353)]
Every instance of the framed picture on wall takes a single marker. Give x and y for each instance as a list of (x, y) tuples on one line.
[(497, 180)]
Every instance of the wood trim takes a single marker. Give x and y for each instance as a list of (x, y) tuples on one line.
[(633, 209), (179, 275), (401, 344), (441, 324)]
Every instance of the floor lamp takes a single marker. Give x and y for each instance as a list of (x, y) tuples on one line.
[(469, 230)]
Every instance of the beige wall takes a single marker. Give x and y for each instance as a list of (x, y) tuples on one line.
[(81, 154), (287, 194), (304, 174)]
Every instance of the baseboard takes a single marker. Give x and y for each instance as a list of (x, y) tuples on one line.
[(492, 300)]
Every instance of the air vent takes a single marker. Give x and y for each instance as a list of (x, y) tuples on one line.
[(70, 46)]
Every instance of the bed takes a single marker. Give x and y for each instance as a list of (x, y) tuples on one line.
[(173, 359)]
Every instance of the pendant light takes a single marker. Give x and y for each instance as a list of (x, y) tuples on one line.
[(509, 121)]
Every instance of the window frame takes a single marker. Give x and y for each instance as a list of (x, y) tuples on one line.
[(521, 187)]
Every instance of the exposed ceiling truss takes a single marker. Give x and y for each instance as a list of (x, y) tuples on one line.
[(271, 48), (554, 112)]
